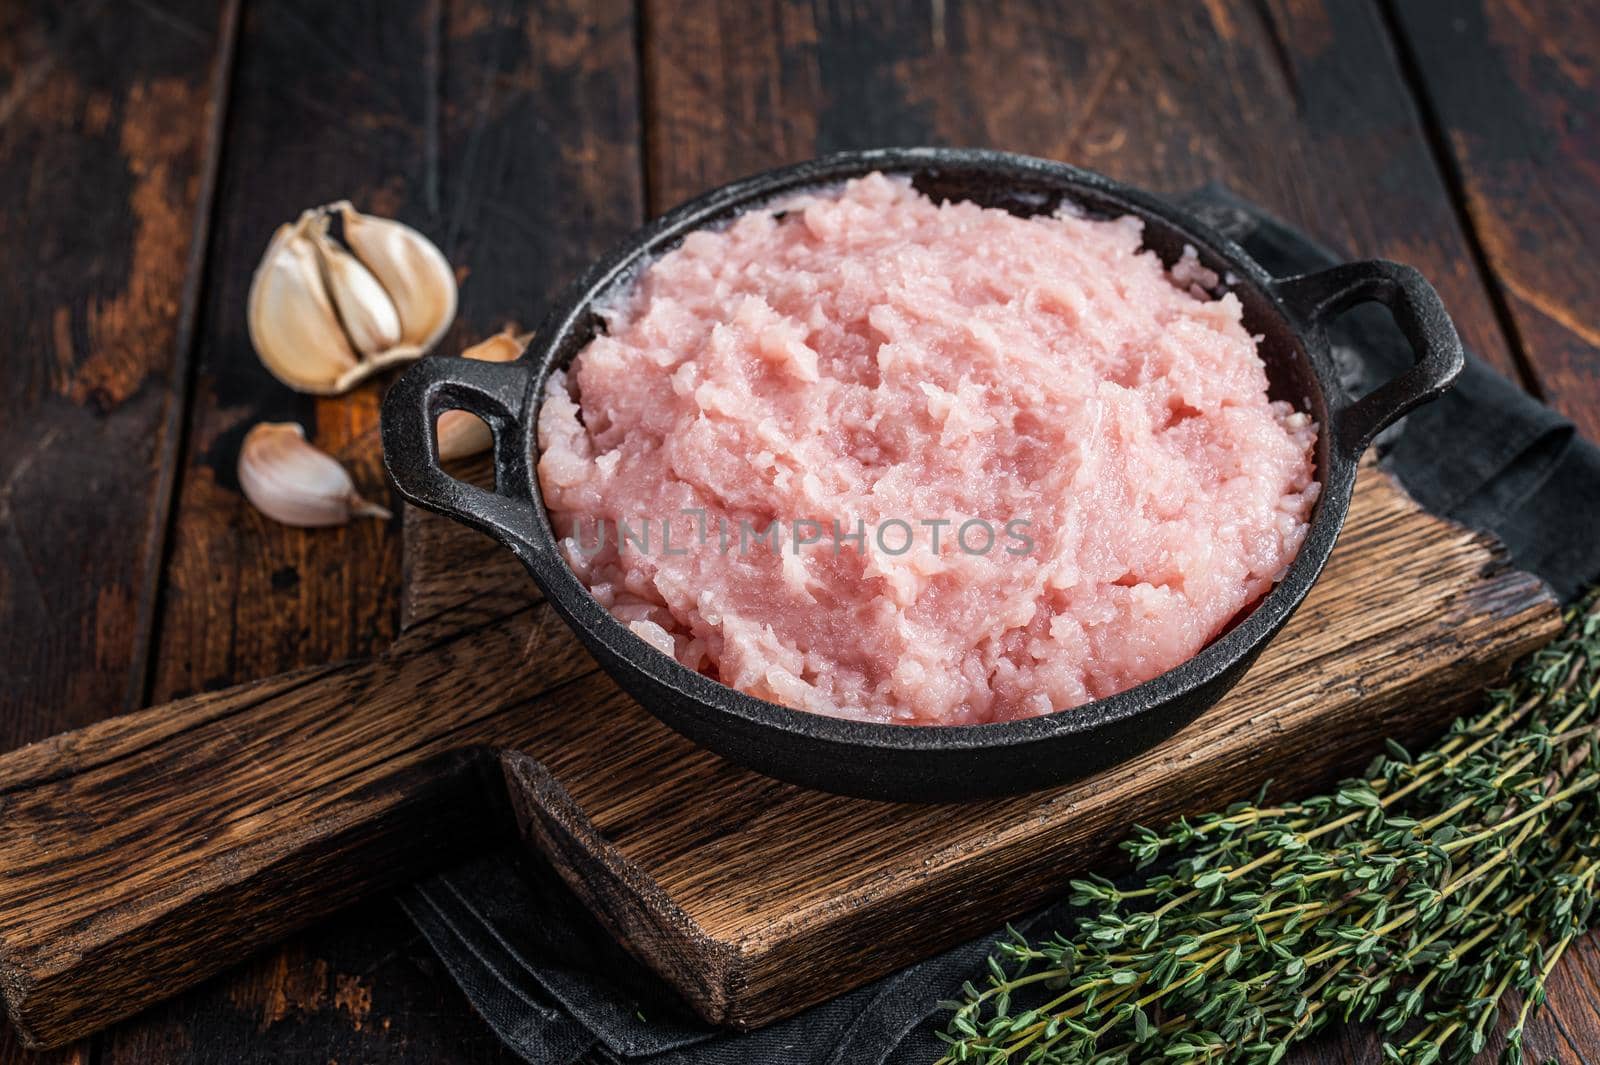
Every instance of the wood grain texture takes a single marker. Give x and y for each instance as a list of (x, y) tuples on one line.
[(509, 134), (362, 987), (285, 809), (143, 854), (108, 141), (1512, 91), (1516, 89), (434, 120), (326, 108), (106, 145)]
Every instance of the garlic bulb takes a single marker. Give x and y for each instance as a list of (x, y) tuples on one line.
[(289, 480), (324, 317), (461, 434)]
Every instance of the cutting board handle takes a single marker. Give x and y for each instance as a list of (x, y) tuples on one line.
[(145, 852)]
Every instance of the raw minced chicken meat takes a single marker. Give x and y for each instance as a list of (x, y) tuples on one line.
[(779, 462)]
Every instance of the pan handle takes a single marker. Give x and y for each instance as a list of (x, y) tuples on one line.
[(497, 392), (1316, 299)]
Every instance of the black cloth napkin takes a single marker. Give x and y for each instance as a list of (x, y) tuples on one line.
[(554, 986)]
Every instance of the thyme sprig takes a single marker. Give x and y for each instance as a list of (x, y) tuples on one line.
[(1419, 897)]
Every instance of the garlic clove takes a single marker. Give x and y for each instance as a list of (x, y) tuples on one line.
[(411, 269), (369, 316), (459, 433), (504, 346), (290, 481), (292, 323)]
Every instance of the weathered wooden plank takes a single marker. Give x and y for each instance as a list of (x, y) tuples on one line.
[(510, 136), (106, 166), (1515, 88), (1512, 90), (329, 104), (286, 801), (362, 987), (515, 207), (108, 143)]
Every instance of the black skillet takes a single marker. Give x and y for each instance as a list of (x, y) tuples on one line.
[(896, 761)]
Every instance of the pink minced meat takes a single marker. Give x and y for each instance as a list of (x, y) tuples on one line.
[(867, 355)]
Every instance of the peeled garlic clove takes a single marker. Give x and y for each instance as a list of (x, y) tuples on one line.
[(293, 324), (289, 480), (369, 316), (413, 272), (461, 434)]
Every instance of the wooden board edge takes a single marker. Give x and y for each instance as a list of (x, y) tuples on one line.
[(125, 735), (707, 972), (68, 988)]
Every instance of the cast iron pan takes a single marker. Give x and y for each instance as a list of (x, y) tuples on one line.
[(896, 761)]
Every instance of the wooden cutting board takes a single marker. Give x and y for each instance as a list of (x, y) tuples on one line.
[(145, 852)]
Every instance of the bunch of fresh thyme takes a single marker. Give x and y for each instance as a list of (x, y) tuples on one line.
[(1418, 898)]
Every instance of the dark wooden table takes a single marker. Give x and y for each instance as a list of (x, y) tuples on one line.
[(149, 147)]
